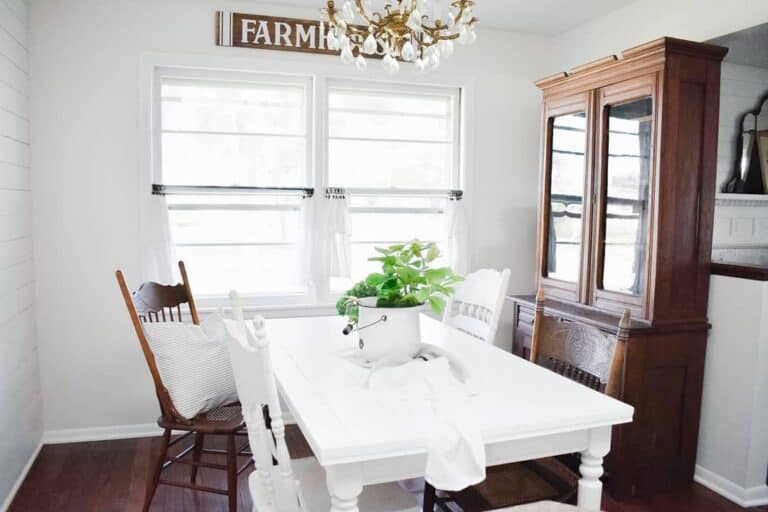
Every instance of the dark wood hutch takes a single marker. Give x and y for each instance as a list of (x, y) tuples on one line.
[(626, 213)]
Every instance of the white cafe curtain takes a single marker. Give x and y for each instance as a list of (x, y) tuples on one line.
[(458, 236), (158, 251), (340, 233)]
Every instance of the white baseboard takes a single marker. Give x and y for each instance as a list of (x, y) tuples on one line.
[(79, 435), (743, 496), (20, 479)]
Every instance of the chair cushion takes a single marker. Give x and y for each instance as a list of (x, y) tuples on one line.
[(519, 483), (193, 363)]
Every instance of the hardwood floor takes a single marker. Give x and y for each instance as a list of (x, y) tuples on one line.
[(109, 476)]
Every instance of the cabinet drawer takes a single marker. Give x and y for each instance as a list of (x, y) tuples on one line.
[(524, 319)]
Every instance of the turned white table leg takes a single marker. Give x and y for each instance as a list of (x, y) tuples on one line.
[(344, 486), (590, 486)]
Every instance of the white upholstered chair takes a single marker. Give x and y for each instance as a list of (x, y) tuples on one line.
[(278, 484), (476, 306)]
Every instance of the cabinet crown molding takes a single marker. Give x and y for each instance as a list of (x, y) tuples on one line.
[(658, 47)]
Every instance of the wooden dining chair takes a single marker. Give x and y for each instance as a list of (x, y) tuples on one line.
[(154, 302), (579, 352), (475, 308)]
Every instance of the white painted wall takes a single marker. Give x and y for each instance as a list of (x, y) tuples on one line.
[(20, 402), (644, 20), (85, 66), (733, 447)]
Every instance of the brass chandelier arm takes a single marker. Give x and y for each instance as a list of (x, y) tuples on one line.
[(352, 29), (364, 15)]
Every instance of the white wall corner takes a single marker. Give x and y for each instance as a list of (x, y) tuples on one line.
[(742, 496), (22, 476)]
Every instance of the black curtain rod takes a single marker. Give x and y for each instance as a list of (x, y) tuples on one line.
[(164, 190)]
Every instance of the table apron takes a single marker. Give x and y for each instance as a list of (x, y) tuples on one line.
[(391, 469)]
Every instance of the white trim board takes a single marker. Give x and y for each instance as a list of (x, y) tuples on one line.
[(80, 435), (742, 496), (22, 476)]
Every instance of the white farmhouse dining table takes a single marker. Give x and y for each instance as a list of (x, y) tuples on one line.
[(523, 411)]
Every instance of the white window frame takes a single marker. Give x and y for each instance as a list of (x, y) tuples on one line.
[(161, 73), (454, 93), (317, 73)]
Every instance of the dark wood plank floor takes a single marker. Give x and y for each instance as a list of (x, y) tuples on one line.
[(109, 476)]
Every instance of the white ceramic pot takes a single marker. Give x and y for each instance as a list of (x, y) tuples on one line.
[(388, 333)]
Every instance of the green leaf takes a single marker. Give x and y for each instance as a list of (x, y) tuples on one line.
[(433, 253), (407, 274), (445, 290), (423, 293), (375, 279), (382, 250), (391, 283), (437, 275), (437, 304)]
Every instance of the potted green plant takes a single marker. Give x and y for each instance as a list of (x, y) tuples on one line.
[(384, 307)]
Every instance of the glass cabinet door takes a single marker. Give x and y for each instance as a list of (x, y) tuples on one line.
[(568, 145), (625, 196)]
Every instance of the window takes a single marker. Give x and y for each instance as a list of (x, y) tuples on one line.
[(395, 150), (235, 155)]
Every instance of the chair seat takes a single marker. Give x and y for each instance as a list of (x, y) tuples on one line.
[(543, 506), (520, 483), (222, 420)]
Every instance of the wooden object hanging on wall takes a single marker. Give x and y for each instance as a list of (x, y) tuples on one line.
[(275, 33)]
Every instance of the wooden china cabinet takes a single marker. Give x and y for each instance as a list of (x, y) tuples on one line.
[(626, 212)]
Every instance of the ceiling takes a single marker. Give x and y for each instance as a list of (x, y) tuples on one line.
[(543, 17), (748, 47)]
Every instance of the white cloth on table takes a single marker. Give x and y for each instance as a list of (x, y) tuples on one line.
[(455, 448)]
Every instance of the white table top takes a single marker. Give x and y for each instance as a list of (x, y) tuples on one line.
[(344, 421)]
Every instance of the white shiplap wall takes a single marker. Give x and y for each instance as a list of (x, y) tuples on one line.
[(741, 224), (20, 403)]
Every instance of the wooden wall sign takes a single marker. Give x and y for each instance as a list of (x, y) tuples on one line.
[(272, 33)]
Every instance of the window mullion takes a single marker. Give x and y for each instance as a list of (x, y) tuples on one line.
[(320, 257)]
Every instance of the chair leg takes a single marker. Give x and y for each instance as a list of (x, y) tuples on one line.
[(197, 453), (154, 478), (430, 495), (232, 472)]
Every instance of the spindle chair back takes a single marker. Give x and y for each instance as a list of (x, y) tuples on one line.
[(273, 486), (475, 308)]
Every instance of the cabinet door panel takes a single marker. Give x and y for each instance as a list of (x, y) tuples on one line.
[(626, 196), (624, 184), (566, 201), (566, 197)]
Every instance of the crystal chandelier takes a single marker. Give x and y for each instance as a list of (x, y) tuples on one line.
[(409, 31)]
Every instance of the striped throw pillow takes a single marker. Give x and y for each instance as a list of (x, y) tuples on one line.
[(194, 364)]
